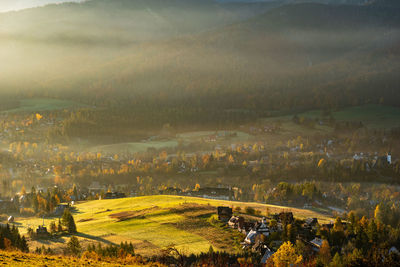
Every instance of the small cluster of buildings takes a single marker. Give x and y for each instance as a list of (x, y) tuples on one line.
[(220, 193), (219, 135), (263, 129), (257, 232), (96, 188)]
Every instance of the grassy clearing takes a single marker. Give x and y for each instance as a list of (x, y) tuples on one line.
[(195, 136), (289, 128), (372, 116), (44, 104), (134, 146), (375, 116), (154, 222)]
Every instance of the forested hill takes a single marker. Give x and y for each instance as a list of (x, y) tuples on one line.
[(138, 55), (272, 59), (121, 21), (386, 3)]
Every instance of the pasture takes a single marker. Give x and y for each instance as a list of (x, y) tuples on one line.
[(133, 147), (372, 117), (186, 137), (44, 104), (155, 222)]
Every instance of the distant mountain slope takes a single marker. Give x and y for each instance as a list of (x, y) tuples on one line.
[(144, 54), (9, 5), (120, 21), (288, 41), (386, 3)]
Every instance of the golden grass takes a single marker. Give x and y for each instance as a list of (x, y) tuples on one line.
[(155, 222), (27, 259)]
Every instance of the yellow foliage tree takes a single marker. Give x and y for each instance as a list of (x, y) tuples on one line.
[(321, 163), (197, 187), (23, 191), (38, 116), (286, 256), (325, 253)]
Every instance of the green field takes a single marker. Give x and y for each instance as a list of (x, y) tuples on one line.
[(134, 147), (372, 116), (154, 222), (240, 136), (44, 104)]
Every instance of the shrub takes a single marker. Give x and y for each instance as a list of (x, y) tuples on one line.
[(250, 210), (74, 247), (26, 211), (53, 227), (69, 222)]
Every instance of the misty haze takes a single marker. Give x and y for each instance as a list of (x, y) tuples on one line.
[(200, 133)]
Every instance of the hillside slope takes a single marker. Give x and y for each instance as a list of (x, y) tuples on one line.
[(275, 58), (138, 55), (155, 222), (120, 22), (18, 259)]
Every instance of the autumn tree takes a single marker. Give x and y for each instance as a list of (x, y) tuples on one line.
[(336, 261), (286, 256), (337, 233), (380, 214), (74, 247), (59, 226), (325, 253), (68, 221), (53, 227)]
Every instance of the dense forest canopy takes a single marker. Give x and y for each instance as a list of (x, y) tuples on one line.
[(134, 53)]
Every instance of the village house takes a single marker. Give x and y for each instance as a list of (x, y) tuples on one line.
[(224, 213), (251, 237), (61, 208), (247, 226), (310, 223), (214, 193), (316, 244), (260, 228), (42, 232), (267, 254), (236, 222), (114, 195), (170, 191), (394, 250), (96, 188), (284, 217), (11, 219)]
